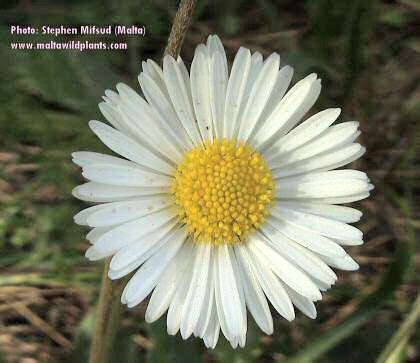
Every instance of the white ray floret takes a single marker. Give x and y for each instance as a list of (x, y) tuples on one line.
[(262, 86), (235, 91)]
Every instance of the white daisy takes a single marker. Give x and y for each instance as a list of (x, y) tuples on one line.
[(219, 202)]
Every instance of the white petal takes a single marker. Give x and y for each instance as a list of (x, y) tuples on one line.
[(225, 323), (322, 285), (119, 212), (173, 319), (128, 232), (332, 139), (259, 95), (123, 117), (346, 199), (284, 77), (211, 335), (325, 176), (113, 100), (145, 124), (242, 340), (345, 263), (299, 255), (153, 70), (242, 337), (254, 71), (324, 226), (207, 308), (337, 212), (194, 299), (235, 90), (168, 283), (323, 162), (286, 271), (85, 158), (339, 187), (303, 133), (254, 295), (179, 92), (218, 83), (214, 45), (124, 175), (82, 216), (289, 111), (185, 76), (97, 192), (147, 276), (112, 96), (165, 113), (348, 243), (217, 296), (97, 232), (129, 268), (133, 255), (271, 285), (112, 116), (305, 305), (128, 148), (92, 254), (230, 295), (200, 89)]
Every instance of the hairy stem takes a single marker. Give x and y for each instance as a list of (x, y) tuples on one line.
[(107, 317), (180, 26)]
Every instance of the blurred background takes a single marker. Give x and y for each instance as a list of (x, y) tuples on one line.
[(367, 54)]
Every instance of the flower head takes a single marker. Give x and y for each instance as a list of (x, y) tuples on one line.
[(223, 190), (220, 201)]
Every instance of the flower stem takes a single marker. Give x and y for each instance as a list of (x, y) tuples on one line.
[(108, 312), (107, 317), (180, 26)]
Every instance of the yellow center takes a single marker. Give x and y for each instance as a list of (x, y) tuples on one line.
[(223, 190)]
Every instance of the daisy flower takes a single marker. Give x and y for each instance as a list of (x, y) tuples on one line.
[(220, 202)]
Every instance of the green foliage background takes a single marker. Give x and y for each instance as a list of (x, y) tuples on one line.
[(366, 53)]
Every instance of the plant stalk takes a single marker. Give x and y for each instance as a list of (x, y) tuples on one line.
[(107, 317), (180, 26)]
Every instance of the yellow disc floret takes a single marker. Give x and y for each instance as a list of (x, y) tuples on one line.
[(223, 190)]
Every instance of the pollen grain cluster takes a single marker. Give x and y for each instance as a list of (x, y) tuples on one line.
[(223, 190)]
